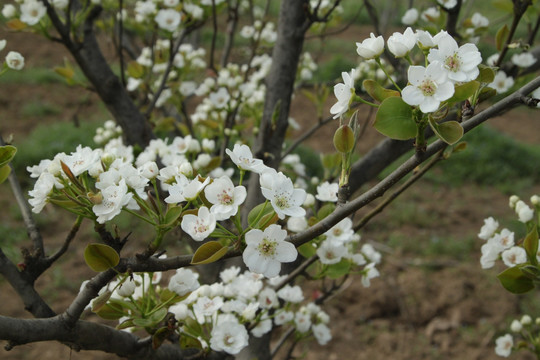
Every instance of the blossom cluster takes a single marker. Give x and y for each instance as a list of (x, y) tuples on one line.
[(524, 335), (501, 244)]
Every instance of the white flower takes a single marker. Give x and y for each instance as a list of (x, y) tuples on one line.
[(14, 60), (180, 311), (229, 336), (243, 158), (263, 327), (331, 252), (199, 226), (42, 188), (32, 11), (514, 256), (283, 316), (448, 4), (410, 17), (184, 281), (429, 86), (9, 11), (524, 59), (516, 326), (431, 14), (229, 274), (327, 192), (170, 3), (501, 83), (400, 44), (297, 224), (322, 333), (220, 98), (370, 253), (344, 93), (524, 212), (127, 288), (503, 345), (371, 47), (115, 197), (82, 159), (268, 298), (285, 199), (424, 39), (490, 253), (341, 233), (369, 273), (291, 294), (489, 228), (266, 250), (168, 19), (479, 21), (526, 320), (225, 197), (206, 307), (459, 63)]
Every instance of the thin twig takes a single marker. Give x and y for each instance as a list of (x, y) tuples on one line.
[(72, 233), (31, 226), (281, 341), (518, 14)]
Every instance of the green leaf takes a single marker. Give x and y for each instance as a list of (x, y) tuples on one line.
[(7, 152), (101, 301), (258, 212), (101, 257), (530, 244), (172, 215), (487, 74), (160, 336), (125, 324), (378, 92), (159, 315), (464, 91), (450, 131), (502, 35), (338, 270), (4, 173), (326, 210), (110, 312), (307, 250), (208, 253), (515, 281), (394, 119)]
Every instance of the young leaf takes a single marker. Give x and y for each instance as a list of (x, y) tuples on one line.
[(450, 132), (338, 270), (487, 74), (208, 253), (515, 281), (101, 257), (464, 91), (394, 119), (172, 215), (502, 35), (377, 92), (7, 152), (258, 212), (307, 250), (530, 244)]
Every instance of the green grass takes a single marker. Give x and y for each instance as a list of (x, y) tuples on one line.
[(31, 76)]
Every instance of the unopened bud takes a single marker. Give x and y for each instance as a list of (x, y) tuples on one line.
[(535, 200), (513, 200), (186, 169), (344, 139)]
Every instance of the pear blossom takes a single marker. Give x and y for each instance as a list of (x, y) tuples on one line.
[(229, 336), (331, 252), (220, 98), (459, 63), (168, 19), (42, 188), (344, 93), (524, 212), (410, 17), (263, 327), (283, 316), (225, 197), (523, 60), (369, 273), (14, 60), (514, 256), (327, 192), (9, 11), (341, 233), (431, 14), (504, 345), (199, 226), (488, 229), (285, 199), (292, 294), (428, 87), (115, 197), (526, 320), (297, 224), (479, 21), (448, 4), (370, 253), (501, 82), (401, 44), (322, 333), (243, 158), (32, 11), (184, 281), (302, 321), (371, 47), (266, 250)]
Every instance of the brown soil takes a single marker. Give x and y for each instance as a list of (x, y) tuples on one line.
[(422, 307)]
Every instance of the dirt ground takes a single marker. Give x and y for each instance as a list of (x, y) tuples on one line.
[(434, 307)]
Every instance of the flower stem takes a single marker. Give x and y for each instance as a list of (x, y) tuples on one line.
[(378, 60)]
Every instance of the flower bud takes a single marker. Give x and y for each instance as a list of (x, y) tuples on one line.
[(526, 320), (186, 169), (516, 326), (310, 200), (535, 200), (344, 139)]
